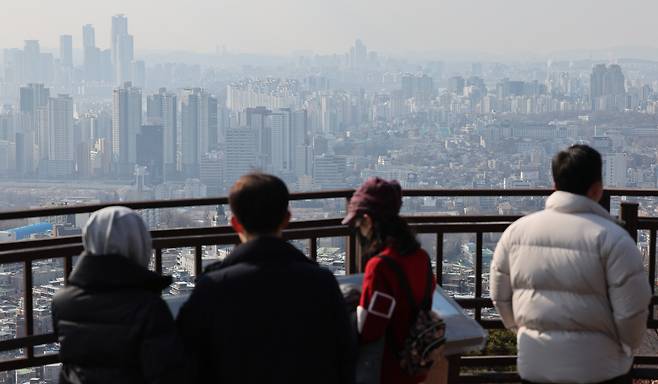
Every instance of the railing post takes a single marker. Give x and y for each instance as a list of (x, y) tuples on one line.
[(158, 261), (198, 261), (350, 255), (68, 267), (313, 248), (28, 312), (439, 258), (605, 200), (478, 275), (351, 251), (652, 268), (628, 214)]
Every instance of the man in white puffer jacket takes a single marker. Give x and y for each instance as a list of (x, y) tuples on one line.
[(569, 281)]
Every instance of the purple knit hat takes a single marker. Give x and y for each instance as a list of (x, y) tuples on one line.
[(377, 197)]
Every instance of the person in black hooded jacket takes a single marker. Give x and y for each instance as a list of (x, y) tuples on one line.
[(111, 323), (267, 313)]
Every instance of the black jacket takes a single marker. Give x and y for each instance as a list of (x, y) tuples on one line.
[(113, 326), (267, 314)]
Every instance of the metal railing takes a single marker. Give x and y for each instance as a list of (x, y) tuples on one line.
[(466, 369)]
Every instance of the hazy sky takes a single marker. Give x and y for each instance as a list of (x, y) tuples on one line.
[(328, 26)]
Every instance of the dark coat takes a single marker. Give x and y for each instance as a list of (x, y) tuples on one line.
[(267, 314), (113, 326)]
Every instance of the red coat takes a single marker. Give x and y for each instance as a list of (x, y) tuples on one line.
[(380, 277)]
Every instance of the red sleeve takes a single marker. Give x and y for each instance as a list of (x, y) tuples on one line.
[(376, 285)]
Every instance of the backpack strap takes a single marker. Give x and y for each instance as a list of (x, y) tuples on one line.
[(426, 302), (404, 282), (427, 299)]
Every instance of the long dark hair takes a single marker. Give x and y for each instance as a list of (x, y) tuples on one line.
[(391, 232)]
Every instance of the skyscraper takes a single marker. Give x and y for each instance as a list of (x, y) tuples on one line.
[(420, 87), (281, 125), (122, 49), (32, 97), (258, 119), (613, 81), (150, 152), (596, 82), (607, 87), (198, 128), (161, 109), (358, 54), (288, 134), (92, 55), (88, 36), (138, 73), (13, 68), (214, 135), (66, 51), (60, 121), (32, 62), (211, 172), (241, 153), (126, 121), (329, 172), (190, 131), (33, 115), (301, 151), (61, 152)]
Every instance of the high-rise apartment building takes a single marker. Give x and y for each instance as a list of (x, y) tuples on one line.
[(92, 56), (66, 51), (33, 124), (241, 153), (329, 172), (32, 66), (615, 166), (60, 127), (60, 159), (162, 109), (288, 133), (281, 127), (607, 88), (122, 49), (198, 128), (299, 139), (88, 36), (358, 55), (126, 122), (211, 172), (259, 120), (420, 87), (32, 97), (150, 153)]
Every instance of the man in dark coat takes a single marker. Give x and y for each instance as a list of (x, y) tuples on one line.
[(267, 313), (112, 324)]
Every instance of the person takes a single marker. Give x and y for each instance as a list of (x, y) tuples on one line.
[(569, 281), (112, 324), (266, 313), (384, 310)]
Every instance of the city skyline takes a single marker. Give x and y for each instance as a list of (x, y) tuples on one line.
[(494, 28)]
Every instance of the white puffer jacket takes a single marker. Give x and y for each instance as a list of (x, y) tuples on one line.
[(570, 280)]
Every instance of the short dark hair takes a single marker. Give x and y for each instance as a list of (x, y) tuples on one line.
[(260, 202), (576, 169)]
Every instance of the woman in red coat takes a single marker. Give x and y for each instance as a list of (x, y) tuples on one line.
[(384, 309)]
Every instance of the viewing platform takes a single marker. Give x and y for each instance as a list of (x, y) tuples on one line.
[(35, 348)]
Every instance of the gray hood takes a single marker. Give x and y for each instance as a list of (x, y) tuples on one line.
[(118, 231)]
